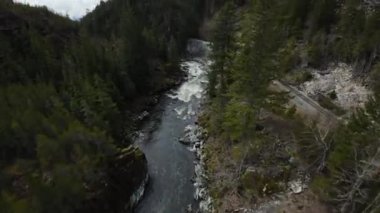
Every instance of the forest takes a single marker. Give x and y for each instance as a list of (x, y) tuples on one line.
[(70, 93), (261, 41)]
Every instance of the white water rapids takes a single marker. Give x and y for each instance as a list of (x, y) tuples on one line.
[(175, 185), (193, 88)]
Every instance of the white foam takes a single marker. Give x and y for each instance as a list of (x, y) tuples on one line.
[(180, 110), (190, 110), (194, 87)]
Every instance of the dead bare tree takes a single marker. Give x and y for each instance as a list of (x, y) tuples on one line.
[(352, 181), (318, 141), (374, 206), (323, 139)]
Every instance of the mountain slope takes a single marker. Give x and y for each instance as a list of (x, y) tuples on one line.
[(70, 95), (258, 145)]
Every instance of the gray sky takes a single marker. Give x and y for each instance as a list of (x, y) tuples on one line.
[(74, 8)]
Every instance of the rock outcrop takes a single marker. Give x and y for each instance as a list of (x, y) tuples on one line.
[(123, 185), (338, 79)]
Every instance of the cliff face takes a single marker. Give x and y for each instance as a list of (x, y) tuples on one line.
[(210, 11), (123, 185), (128, 173), (212, 6)]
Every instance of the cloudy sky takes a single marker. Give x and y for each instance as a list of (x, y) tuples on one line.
[(74, 8)]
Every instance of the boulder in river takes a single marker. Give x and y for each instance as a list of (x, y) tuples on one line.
[(185, 141)]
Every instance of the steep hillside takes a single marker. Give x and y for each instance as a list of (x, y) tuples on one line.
[(261, 153), (70, 96)]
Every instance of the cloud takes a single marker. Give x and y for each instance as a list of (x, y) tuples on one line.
[(74, 8)]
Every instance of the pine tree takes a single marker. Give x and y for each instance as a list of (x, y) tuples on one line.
[(223, 47)]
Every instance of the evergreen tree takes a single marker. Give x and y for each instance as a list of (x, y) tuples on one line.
[(223, 46)]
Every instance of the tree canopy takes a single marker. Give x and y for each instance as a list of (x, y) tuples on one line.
[(68, 92)]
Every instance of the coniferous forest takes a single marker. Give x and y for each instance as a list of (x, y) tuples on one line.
[(265, 142), (71, 92)]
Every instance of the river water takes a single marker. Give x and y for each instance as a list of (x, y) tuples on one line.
[(171, 164)]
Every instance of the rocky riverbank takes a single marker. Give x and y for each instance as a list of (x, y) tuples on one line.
[(171, 166), (195, 137)]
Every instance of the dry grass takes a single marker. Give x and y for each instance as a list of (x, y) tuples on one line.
[(306, 202)]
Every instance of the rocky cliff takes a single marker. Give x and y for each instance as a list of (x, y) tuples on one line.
[(123, 186)]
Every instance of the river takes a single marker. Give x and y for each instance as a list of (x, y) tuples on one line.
[(171, 164)]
